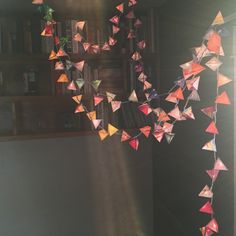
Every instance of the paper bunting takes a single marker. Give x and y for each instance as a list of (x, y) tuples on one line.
[(219, 165), (96, 84), (219, 20), (169, 137), (214, 63), (79, 65), (77, 98), (222, 80), (134, 143), (97, 99), (120, 7), (206, 192), (193, 84), (110, 96), (167, 127), (130, 15), (115, 105), (212, 129), (206, 232), (213, 225), (92, 115), (138, 23), (191, 68), (136, 56), (178, 94), (80, 25), (125, 136), (223, 99), (80, 83), (214, 43), (61, 53), (175, 113), (210, 146), (115, 29), (141, 44), (145, 109), (163, 117), (86, 46), (209, 111), (207, 208), (213, 174), (142, 77), (146, 131), (112, 130), (96, 123), (194, 96), (171, 98), (106, 47), (112, 41), (59, 66), (158, 135), (115, 20), (188, 113), (103, 134), (133, 97), (72, 86), (63, 79), (79, 109), (77, 37), (53, 56)]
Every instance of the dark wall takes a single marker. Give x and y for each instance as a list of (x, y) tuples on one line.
[(75, 186), (180, 167)]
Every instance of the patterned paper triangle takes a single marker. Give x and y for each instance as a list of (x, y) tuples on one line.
[(145, 108), (115, 105), (222, 80), (120, 7), (97, 99), (59, 66), (115, 20), (210, 146), (219, 165), (167, 127), (193, 83), (106, 47), (79, 108), (213, 174), (188, 113), (115, 29), (133, 97), (223, 99), (112, 41), (68, 64), (206, 232), (63, 79), (112, 130), (178, 94), (206, 192), (175, 113), (214, 63), (103, 134), (207, 208), (125, 136), (212, 129), (134, 143), (194, 96), (213, 225), (77, 98), (136, 56), (214, 43), (110, 96), (96, 84), (158, 135), (92, 115), (169, 137), (96, 123), (53, 56), (79, 65), (146, 131), (209, 111), (80, 25), (219, 20), (72, 86), (171, 98)]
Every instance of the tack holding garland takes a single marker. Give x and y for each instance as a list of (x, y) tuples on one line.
[(185, 89)]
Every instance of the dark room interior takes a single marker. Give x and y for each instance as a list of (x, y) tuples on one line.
[(57, 178)]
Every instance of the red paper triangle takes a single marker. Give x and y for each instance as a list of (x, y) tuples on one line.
[(214, 43), (178, 94), (146, 131), (213, 225), (97, 100), (134, 143), (71, 86), (207, 208), (213, 174), (125, 136), (219, 165), (145, 108), (212, 128), (223, 99)]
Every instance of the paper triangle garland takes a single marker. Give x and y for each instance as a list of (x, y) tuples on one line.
[(219, 20), (133, 97), (115, 105), (77, 98), (102, 134), (223, 99), (212, 129), (96, 123), (146, 131), (222, 80), (97, 99), (207, 208), (206, 192), (63, 79), (134, 143), (125, 136), (112, 130), (210, 146), (213, 225), (219, 165)]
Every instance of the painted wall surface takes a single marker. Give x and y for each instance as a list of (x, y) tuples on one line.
[(75, 186)]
